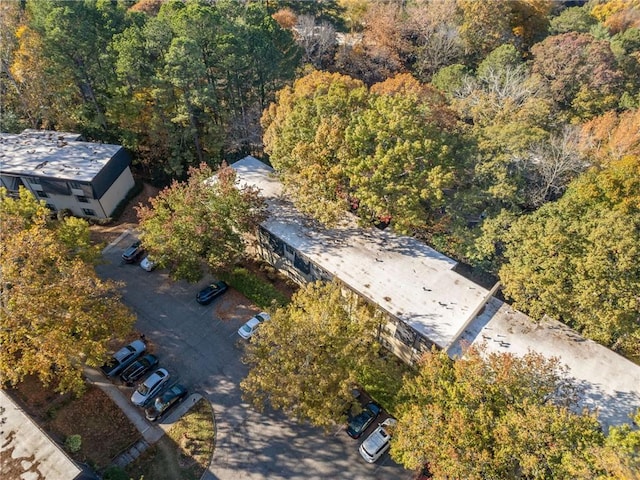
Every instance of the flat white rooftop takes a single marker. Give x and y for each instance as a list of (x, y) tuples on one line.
[(27, 453), (417, 284), (403, 276), (40, 153), (611, 383)]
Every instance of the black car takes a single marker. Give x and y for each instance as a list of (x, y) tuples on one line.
[(359, 423), (131, 254), (137, 369), (123, 358), (214, 290), (165, 402)]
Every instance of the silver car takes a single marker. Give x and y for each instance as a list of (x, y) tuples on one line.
[(378, 442), (151, 387)]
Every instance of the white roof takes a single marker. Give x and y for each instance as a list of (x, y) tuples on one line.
[(405, 277), (53, 154), (417, 284), (611, 383), (30, 454)]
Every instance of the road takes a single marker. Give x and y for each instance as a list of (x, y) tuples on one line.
[(199, 345)]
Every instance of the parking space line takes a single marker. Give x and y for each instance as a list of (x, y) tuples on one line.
[(117, 240)]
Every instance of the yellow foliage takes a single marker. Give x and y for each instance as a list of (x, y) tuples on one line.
[(605, 10)]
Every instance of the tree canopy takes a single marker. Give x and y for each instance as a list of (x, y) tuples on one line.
[(205, 220), (578, 259), (493, 416), (306, 359), (56, 313)]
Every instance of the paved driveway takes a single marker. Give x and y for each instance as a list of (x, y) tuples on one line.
[(198, 344)]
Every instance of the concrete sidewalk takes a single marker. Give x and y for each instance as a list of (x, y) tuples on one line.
[(151, 433)]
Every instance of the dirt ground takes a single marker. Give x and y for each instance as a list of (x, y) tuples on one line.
[(129, 218)]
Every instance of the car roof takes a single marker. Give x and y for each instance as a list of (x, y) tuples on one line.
[(253, 321), (158, 374)]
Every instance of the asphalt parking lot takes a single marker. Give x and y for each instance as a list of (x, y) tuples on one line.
[(198, 345)]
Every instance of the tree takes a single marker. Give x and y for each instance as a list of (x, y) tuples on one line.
[(399, 154), (305, 138), (56, 313), (490, 415), (572, 19), (612, 136), (579, 73), (306, 358), (200, 220), (578, 259)]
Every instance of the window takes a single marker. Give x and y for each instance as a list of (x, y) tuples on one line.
[(75, 185), (82, 199), (51, 207), (42, 194), (88, 211), (34, 181)]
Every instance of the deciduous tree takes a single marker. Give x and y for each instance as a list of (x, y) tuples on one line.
[(56, 314), (578, 259), (204, 220), (490, 415), (306, 358)]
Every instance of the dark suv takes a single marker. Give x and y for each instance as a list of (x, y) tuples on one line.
[(131, 254)]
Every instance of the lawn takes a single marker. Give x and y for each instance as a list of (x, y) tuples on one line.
[(104, 430), (260, 285), (184, 453)]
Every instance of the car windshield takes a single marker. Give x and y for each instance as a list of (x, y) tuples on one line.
[(360, 420), (162, 402), (143, 389), (246, 328), (260, 318)]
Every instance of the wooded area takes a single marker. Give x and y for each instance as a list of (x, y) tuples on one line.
[(467, 124)]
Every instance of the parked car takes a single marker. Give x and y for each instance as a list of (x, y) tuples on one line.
[(210, 292), (359, 423), (165, 402), (131, 254), (248, 329), (147, 264), (378, 442), (123, 358), (137, 369), (151, 387)]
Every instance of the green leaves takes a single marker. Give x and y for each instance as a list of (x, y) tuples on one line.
[(578, 259), (200, 220), (493, 416), (387, 153), (55, 313), (306, 358)]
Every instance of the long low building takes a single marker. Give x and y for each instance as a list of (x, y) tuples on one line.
[(426, 301), (26, 452)]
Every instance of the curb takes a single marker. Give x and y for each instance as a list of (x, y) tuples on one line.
[(128, 231)]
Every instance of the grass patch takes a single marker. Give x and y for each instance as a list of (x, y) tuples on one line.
[(184, 453), (259, 291)]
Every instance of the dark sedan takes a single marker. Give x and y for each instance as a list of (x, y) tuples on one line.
[(165, 402), (210, 292), (359, 423), (137, 369), (131, 254)]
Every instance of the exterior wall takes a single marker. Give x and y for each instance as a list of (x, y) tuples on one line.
[(77, 197), (117, 192), (395, 335)]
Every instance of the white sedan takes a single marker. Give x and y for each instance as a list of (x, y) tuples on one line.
[(151, 387), (378, 442), (249, 328)]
